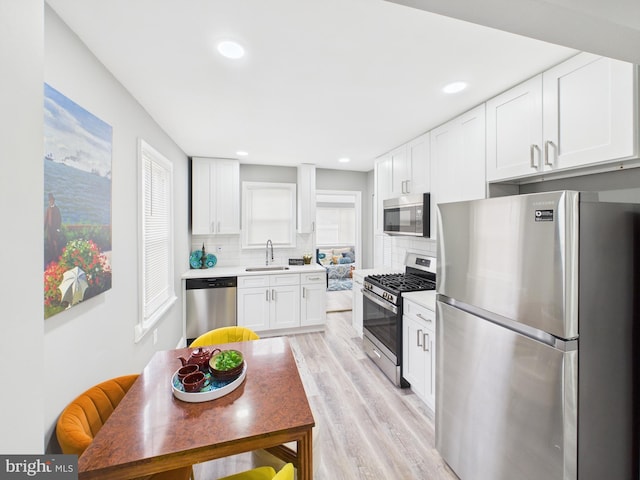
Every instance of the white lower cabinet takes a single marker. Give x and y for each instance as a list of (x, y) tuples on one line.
[(419, 354), (282, 302), (269, 302), (313, 302)]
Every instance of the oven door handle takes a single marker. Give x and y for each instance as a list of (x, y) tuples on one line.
[(377, 300)]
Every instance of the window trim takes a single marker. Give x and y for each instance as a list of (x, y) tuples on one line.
[(147, 320)]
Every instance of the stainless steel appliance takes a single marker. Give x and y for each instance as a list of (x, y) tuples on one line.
[(536, 347), (382, 312), (211, 303), (407, 215)]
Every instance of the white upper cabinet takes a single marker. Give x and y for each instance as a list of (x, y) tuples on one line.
[(458, 159), (306, 198), (400, 171), (514, 131), (382, 180), (588, 112), (215, 196), (418, 160), (578, 113)]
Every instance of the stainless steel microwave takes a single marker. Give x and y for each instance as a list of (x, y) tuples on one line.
[(407, 215)]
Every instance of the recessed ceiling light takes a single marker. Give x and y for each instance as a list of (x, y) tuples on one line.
[(454, 87), (242, 153), (344, 160), (231, 49)]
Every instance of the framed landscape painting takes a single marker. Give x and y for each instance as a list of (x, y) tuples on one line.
[(76, 203)]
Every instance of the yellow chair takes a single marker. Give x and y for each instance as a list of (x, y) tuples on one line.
[(81, 420), (264, 473), (224, 335)]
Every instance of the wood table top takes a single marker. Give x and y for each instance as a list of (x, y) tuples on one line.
[(152, 431)]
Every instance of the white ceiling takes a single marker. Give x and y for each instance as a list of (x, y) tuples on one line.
[(321, 79)]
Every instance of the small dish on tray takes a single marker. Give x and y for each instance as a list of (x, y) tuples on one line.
[(213, 388)]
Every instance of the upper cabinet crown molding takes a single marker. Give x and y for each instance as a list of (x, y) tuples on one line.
[(215, 196), (581, 112)]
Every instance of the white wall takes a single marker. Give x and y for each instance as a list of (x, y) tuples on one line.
[(21, 331), (94, 340)]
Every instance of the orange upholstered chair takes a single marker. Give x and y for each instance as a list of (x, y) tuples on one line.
[(83, 418), (225, 335)]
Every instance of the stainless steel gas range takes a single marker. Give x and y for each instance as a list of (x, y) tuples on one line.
[(382, 312)]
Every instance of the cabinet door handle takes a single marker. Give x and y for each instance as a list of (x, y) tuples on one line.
[(304, 292), (213, 227), (273, 295), (267, 292), (546, 153), (313, 226), (418, 335), (218, 227), (407, 187), (425, 342), (532, 160)]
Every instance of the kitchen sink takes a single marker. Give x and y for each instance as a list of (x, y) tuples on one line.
[(266, 268)]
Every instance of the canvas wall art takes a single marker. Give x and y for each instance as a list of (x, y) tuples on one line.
[(76, 203)]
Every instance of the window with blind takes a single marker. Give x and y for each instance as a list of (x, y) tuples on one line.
[(157, 292)]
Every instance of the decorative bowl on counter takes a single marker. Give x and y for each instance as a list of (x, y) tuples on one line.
[(226, 364)]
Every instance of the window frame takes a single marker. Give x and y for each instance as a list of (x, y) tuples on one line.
[(149, 315), (262, 188)]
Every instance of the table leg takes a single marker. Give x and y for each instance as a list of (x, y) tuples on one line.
[(305, 456)]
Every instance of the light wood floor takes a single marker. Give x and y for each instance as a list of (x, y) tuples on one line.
[(366, 428)]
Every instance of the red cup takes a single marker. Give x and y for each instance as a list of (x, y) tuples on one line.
[(186, 370), (193, 382)]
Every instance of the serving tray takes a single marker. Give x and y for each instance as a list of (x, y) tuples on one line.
[(212, 388)]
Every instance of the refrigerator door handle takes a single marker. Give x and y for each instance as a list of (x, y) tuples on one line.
[(564, 345)]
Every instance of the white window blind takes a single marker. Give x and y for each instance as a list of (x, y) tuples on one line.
[(157, 240)]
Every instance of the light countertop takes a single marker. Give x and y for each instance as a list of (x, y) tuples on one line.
[(240, 270), (425, 298)]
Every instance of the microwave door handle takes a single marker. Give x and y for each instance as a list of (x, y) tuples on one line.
[(378, 301)]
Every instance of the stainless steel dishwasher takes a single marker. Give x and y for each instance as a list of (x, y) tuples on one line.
[(211, 303)]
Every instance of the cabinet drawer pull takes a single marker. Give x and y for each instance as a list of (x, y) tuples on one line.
[(426, 319), (418, 335), (314, 278)]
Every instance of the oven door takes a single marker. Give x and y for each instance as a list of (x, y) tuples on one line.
[(381, 321)]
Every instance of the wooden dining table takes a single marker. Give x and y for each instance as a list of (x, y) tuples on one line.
[(151, 431)]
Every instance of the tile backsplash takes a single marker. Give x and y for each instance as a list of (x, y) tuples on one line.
[(396, 247), (229, 253)]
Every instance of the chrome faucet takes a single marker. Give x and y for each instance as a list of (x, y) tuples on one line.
[(269, 242)]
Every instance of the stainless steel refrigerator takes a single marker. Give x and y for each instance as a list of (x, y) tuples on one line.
[(537, 319)]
